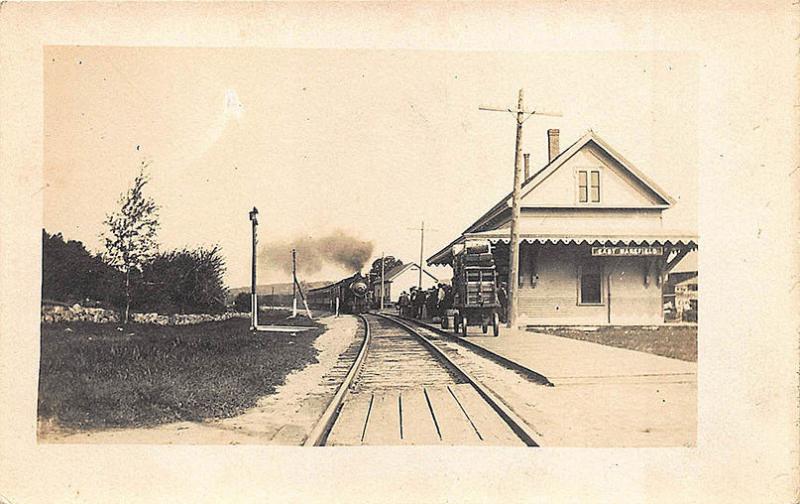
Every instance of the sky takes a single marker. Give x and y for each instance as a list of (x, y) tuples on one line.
[(366, 142)]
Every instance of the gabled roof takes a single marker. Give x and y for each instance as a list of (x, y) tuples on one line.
[(393, 272), (688, 263), (399, 270), (590, 136)]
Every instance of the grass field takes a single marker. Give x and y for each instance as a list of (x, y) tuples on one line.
[(678, 342), (95, 376)]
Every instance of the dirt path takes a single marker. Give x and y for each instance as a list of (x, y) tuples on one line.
[(281, 418)]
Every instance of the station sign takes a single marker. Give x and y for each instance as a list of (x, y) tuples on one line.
[(627, 251)]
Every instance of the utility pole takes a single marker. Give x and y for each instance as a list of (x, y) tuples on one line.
[(383, 276), (421, 230), (298, 289), (294, 283), (513, 256), (421, 248), (253, 297)]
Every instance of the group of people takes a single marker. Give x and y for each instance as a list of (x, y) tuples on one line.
[(434, 302), (426, 304)]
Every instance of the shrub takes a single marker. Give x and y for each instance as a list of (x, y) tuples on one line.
[(183, 281), (242, 303)]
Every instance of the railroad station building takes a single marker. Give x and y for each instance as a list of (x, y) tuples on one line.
[(593, 249)]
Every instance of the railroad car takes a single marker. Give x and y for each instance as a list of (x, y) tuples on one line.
[(352, 293)]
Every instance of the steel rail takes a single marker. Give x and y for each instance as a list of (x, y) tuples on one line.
[(485, 352), (319, 434), (520, 428)]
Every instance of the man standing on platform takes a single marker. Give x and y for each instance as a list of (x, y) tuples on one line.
[(431, 301), (403, 303), (419, 303), (440, 296), (502, 298)]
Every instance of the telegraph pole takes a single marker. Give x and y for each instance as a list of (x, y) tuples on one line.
[(383, 276), (421, 248), (253, 297), (513, 255), (421, 230), (513, 266), (294, 283)]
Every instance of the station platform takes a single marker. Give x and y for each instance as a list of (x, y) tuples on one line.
[(564, 360), (603, 396)]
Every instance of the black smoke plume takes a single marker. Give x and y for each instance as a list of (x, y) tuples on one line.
[(313, 253)]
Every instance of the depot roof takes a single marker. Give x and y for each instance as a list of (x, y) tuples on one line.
[(590, 136), (494, 224), (444, 256)]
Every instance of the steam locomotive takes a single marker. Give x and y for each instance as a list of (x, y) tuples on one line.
[(352, 294)]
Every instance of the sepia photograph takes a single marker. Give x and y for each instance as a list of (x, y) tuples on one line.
[(473, 262), (399, 252)]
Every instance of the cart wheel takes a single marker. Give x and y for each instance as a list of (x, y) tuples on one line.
[(464, 326), (445, 321), (496, 324)]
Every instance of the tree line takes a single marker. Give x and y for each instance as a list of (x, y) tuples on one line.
[(178, 281), (132, 273)]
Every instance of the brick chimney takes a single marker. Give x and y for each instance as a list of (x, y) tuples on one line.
[(527, 158), (552, 144)]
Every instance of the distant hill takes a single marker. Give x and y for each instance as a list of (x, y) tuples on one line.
[(279, 288)]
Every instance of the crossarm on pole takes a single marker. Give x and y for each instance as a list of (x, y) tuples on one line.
[(516, 111)]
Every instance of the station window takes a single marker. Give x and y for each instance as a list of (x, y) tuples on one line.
[(589, 186), (590, 287)]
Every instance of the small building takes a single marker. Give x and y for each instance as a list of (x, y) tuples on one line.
[(593, 249), (401, 278), (681, 291), (686, 300)]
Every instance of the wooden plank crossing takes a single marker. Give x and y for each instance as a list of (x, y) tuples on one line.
[(491, 427), (349, 427), (454, 425), (383, 425), (440, 415), (419, 427)]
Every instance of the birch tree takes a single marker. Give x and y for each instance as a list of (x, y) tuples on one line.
[(130, 239)]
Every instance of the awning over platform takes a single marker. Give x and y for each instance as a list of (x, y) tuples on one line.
[(444, 256)]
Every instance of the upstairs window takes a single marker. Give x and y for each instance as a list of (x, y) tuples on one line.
[(589, 186)]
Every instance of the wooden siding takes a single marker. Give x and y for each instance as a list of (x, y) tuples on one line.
[(617, 186), (590, 221), (554, 299)]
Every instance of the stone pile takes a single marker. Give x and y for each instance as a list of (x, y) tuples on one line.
[(194, 318), (77, 313)]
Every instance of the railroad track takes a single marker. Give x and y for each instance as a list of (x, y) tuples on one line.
[(404, 388), (438, 334)]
